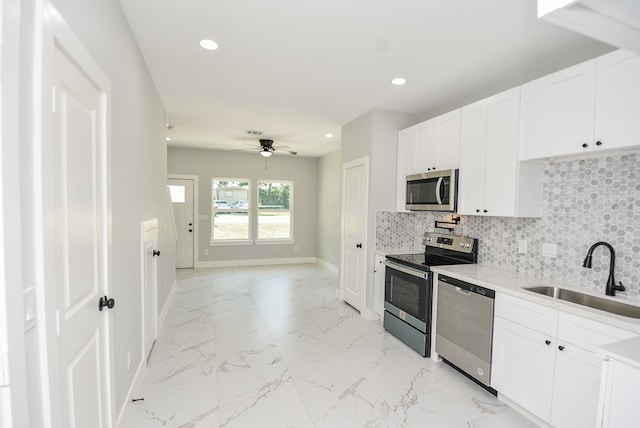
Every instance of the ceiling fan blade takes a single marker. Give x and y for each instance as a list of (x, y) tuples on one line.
[(282, 147)]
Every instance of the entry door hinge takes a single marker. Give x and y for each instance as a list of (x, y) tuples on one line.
[(4, 368)]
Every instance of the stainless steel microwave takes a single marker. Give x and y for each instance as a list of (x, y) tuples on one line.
[(432, 191)]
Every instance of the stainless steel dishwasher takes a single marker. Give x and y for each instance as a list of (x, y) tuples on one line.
[(464, 327)]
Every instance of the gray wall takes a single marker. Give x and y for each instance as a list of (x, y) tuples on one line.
[(329, 187), (375, 135), (207, 164), (583, 201), (138, 164)]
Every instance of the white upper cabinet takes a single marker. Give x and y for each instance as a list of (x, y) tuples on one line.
[(558, 112), (618, 100), (591, 106), (492, 181), (445, 141), (428, 146)]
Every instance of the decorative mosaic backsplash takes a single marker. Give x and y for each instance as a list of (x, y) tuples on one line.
[(583, 202)]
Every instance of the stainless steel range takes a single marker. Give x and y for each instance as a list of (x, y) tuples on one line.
[(409, 286)]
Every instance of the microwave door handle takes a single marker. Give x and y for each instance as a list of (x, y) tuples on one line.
[(439, 190)]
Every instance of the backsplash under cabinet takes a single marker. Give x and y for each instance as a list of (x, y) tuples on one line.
[(583, 201)]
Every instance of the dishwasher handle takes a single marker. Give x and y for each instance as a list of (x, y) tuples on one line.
[(466, 287)]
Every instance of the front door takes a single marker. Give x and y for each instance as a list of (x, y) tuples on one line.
[(80, 228), (355, 198), (182, 200)]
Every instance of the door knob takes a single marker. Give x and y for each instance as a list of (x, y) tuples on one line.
[(104, 301), (190, 224), (190, 230), (156, 253), (358, 245)]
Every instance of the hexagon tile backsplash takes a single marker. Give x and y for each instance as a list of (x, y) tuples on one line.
[(583, 202)]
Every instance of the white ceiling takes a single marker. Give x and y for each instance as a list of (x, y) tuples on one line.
[(297, 69)]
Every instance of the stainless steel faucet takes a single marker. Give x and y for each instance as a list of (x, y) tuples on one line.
[(610, 289)]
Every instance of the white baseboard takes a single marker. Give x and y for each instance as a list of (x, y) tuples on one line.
[(328, 266), (255, 262), (369, 315), (142, 367)]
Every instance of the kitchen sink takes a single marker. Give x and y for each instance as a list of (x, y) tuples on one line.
[(588, 300)]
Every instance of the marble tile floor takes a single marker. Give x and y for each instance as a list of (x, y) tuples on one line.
[(272, 347)]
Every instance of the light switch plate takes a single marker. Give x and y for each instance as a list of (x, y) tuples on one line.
[(549, 250)]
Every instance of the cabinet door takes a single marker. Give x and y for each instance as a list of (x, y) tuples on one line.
[(448, 140), (621, 408), (617, 100), (523, 365), (425, 158), (576, 387), (501, 161), (473, 147), (378, 284), (558, 112)]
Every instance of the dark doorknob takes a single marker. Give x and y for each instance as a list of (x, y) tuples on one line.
[(104, 301), (358, 245), (190, 224), (156, 253), (190, 230)]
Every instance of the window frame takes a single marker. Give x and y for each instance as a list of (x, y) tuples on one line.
[(274, 241), (238, 241)]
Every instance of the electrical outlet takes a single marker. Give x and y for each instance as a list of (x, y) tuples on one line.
[(522, 246), (296, 249), (549, 250), (206, 251)]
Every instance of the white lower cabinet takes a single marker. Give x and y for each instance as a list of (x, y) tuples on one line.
[(378, 284), (620, 408), (576, 387), (544, 360), (523, 366)]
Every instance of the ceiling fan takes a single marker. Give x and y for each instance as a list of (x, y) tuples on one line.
[(267, 148)]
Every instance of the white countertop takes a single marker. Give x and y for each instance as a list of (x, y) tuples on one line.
[(511, 283), (625, 351)]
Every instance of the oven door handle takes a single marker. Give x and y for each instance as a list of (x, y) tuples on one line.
[(407, 270)]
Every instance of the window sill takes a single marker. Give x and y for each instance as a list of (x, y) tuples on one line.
[(230, 242), (275, 241)]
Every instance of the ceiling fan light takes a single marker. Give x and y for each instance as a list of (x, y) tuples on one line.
[(266, 153)]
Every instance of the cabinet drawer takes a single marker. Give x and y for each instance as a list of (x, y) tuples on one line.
[(532, 315), (588, 334)]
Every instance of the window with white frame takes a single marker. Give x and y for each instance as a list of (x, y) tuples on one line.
[(230, 209), (275, 205)]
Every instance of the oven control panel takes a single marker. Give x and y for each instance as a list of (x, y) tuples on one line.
[(451, 242)]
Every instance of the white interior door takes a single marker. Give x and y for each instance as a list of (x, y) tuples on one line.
[(355, 176), (80, 220), (182, 201), (150, 253)]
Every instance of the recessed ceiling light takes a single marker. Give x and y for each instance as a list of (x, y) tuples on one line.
[(399, 81), (328, 135), (209, 44)]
